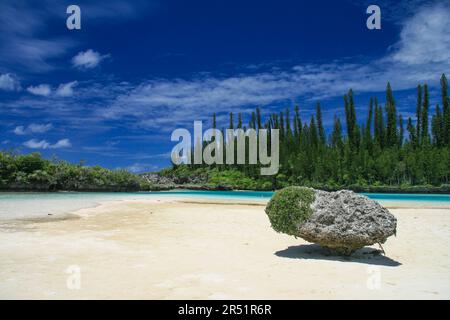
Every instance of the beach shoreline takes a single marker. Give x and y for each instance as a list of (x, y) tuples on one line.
[(176, 247)]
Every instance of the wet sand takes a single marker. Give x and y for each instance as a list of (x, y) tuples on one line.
[(185, 248)]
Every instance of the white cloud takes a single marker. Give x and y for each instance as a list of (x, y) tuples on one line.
[(39, 128), (63, 143), (24, 39), (20, 131), (40, 90), (425, 37), (44, 144), (8, 82), (35, 144), (422, 54), (45, 90), (88, 59), (66, 89)]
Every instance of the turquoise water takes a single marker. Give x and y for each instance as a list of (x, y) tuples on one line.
[(409, 197), (268, 194), (20, 205), (100, 196)]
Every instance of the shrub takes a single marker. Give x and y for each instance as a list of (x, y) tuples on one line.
[(290, 207)]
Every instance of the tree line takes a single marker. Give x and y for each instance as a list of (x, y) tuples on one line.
[(382, 150), (31, 172)]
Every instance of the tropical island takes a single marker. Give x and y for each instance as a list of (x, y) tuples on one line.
[(383, 153), (317, 166)]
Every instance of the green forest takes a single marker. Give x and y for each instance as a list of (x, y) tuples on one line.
[(33, 173), (382, 152)]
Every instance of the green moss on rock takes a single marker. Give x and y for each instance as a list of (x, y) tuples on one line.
[(290, 207)]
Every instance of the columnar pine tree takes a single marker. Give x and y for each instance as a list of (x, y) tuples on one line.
[(400, 131), (419, 115), (437, 128), (445, 110), (425, 138), (320, 127), (391, 128), (367, 132)]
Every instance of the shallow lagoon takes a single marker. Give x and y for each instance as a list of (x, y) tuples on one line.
[(21, 205)]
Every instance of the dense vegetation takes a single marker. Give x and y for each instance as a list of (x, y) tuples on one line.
[(290, 207), (382, 153), (32, 172)]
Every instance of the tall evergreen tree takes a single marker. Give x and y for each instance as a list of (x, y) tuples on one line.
[(239, 124), (231, 126), (437, 128), (379, 125), (282, 129), (253, 121), (391, 128), (425, 137), (314, 136), (419, 115), (367, 132), (320, 127), (336, 136), (445, 110), (258, 118), (412, 132), (350, 115), (297, 124), (400, 130)]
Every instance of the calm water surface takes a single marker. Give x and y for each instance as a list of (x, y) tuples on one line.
[(19, 205)]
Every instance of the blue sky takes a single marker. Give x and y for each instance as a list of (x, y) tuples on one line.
[(112, 92)]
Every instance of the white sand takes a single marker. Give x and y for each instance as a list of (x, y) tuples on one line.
[(179, 248)]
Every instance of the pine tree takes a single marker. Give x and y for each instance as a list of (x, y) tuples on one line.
[(437, 128), (288, 126), (239, 125), (400, 130), (419, 115), (231, 126), (336, 136), (367, 132), (391, 128), (298, 124), (445, 110), (425, 138), (350, 115), (412, 132), (379, 125), (314, 136), (320, 127), (253, 121)]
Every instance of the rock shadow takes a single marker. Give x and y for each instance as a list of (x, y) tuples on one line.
[(365, 255)]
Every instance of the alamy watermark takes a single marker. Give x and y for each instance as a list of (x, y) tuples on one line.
[(73, 21), (211, 147), (374, 279), (374, 20), (73, 281)]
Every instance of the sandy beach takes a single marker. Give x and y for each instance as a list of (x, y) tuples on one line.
[(185, 248)]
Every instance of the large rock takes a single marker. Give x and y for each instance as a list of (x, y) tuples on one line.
[(341, 221)]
